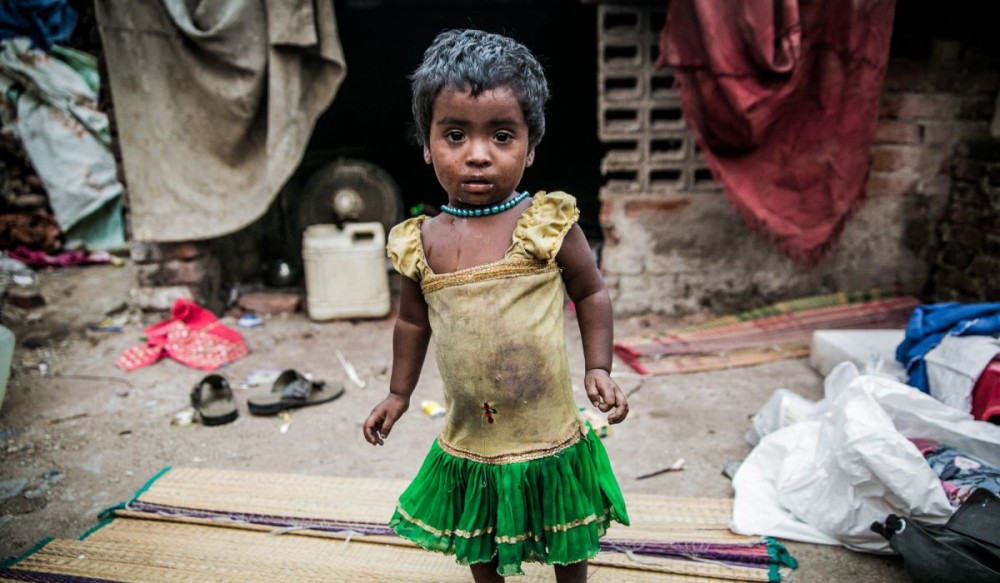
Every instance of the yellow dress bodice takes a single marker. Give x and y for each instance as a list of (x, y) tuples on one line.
[(499, 339)]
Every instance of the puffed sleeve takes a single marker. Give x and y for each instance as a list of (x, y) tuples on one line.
[(543, 226), (404, 248)]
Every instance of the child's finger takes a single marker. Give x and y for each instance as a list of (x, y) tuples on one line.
[(371, 436), (590, 385), (611, 397), (372, 429), (621, 407), (387, 424), (607, 398)]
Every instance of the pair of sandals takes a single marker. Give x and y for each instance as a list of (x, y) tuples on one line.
[(213, 398)]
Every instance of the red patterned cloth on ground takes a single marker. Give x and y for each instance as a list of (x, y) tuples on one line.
[(782, 97), (193, 336)]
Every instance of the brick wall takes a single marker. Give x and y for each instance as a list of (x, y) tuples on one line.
[(966, 264), (930, 104), (205, 271), (675, 246)]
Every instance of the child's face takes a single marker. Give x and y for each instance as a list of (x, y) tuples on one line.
[(478, 145)]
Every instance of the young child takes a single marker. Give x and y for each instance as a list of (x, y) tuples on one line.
[(515, 475)]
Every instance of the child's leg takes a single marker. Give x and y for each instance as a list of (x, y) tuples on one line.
[(486, 572), (572, 573)]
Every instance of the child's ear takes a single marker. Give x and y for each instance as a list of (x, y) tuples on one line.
[(427, 155), (531, 157)]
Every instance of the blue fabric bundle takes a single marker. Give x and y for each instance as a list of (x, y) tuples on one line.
[(930, 323), (45, 22)]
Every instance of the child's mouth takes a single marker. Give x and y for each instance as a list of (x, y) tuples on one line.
[(476, 186)]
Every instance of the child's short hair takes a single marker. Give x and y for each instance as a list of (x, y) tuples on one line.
[(479, 61)]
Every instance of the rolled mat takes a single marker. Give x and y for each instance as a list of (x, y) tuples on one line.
[(784, 331)]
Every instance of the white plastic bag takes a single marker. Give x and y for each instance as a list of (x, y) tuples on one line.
[(784, 408), (826, 480)]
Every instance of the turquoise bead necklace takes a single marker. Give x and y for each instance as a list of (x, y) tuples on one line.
[(485, 211)]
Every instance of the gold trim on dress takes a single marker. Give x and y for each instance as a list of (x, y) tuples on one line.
[(442, 533), (508, 540), (503, 540), (503, 269), (520, 456)]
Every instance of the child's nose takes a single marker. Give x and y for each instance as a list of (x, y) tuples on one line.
[(479, 153)]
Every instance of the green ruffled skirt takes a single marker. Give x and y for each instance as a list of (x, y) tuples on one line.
[(550, 510)]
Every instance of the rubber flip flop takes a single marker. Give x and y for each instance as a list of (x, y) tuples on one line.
[(213, 400), (292, 390)]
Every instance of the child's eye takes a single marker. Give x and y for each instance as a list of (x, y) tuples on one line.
[(454, 136), (504, 137)]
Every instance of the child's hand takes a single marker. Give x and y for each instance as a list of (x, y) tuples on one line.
[(605, 394), (383, 417)]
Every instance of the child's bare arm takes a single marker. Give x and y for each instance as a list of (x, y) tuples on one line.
[(409, 347), (586, 288)]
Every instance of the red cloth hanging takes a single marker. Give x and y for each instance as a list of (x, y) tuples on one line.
[(782, 97), (192, 336)]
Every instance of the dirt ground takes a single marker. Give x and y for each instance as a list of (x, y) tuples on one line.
[(81, 435)]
